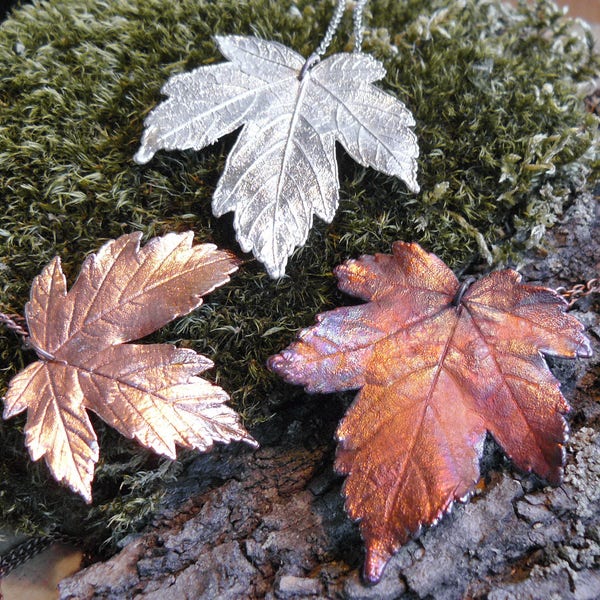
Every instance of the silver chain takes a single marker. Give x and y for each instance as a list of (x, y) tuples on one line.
[(359, 9), (332, 28)]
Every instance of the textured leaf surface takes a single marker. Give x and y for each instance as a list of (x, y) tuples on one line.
[(436, 369), (147, 392), (282, 169)]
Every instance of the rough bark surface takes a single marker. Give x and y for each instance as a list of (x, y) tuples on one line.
[(271, 524)]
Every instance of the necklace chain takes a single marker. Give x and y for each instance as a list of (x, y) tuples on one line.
[(334, 23), (13, 322), (359, 9), (332, 28), (581, 290), (30, 548)]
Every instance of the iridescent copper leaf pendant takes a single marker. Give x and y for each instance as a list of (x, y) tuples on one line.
[(438, 364)]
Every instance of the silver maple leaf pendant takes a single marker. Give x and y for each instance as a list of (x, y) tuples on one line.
[(282, 168)]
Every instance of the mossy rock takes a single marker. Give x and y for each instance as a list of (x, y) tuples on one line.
[(504, 142)]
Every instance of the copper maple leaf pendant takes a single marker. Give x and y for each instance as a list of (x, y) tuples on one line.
[(150, 392), (438, 364)]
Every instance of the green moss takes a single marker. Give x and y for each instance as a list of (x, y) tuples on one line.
[(504, 141)]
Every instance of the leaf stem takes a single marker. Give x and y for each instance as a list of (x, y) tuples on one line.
[(311, 61), (10, 322), (464, 286)]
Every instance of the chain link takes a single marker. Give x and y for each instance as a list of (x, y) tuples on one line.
[(334, 23), (578, 291), (359, 9), (13, 322), (30, 548), (332, 28)]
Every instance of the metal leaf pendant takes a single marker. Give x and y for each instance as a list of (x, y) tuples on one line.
[(149, 392), (282, 169)]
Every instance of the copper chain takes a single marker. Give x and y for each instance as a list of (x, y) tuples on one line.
[(579, 291), (15, 323)]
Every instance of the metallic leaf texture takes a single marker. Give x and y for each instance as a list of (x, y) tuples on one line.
[(437, 367), (148, 392), (283, 169)]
